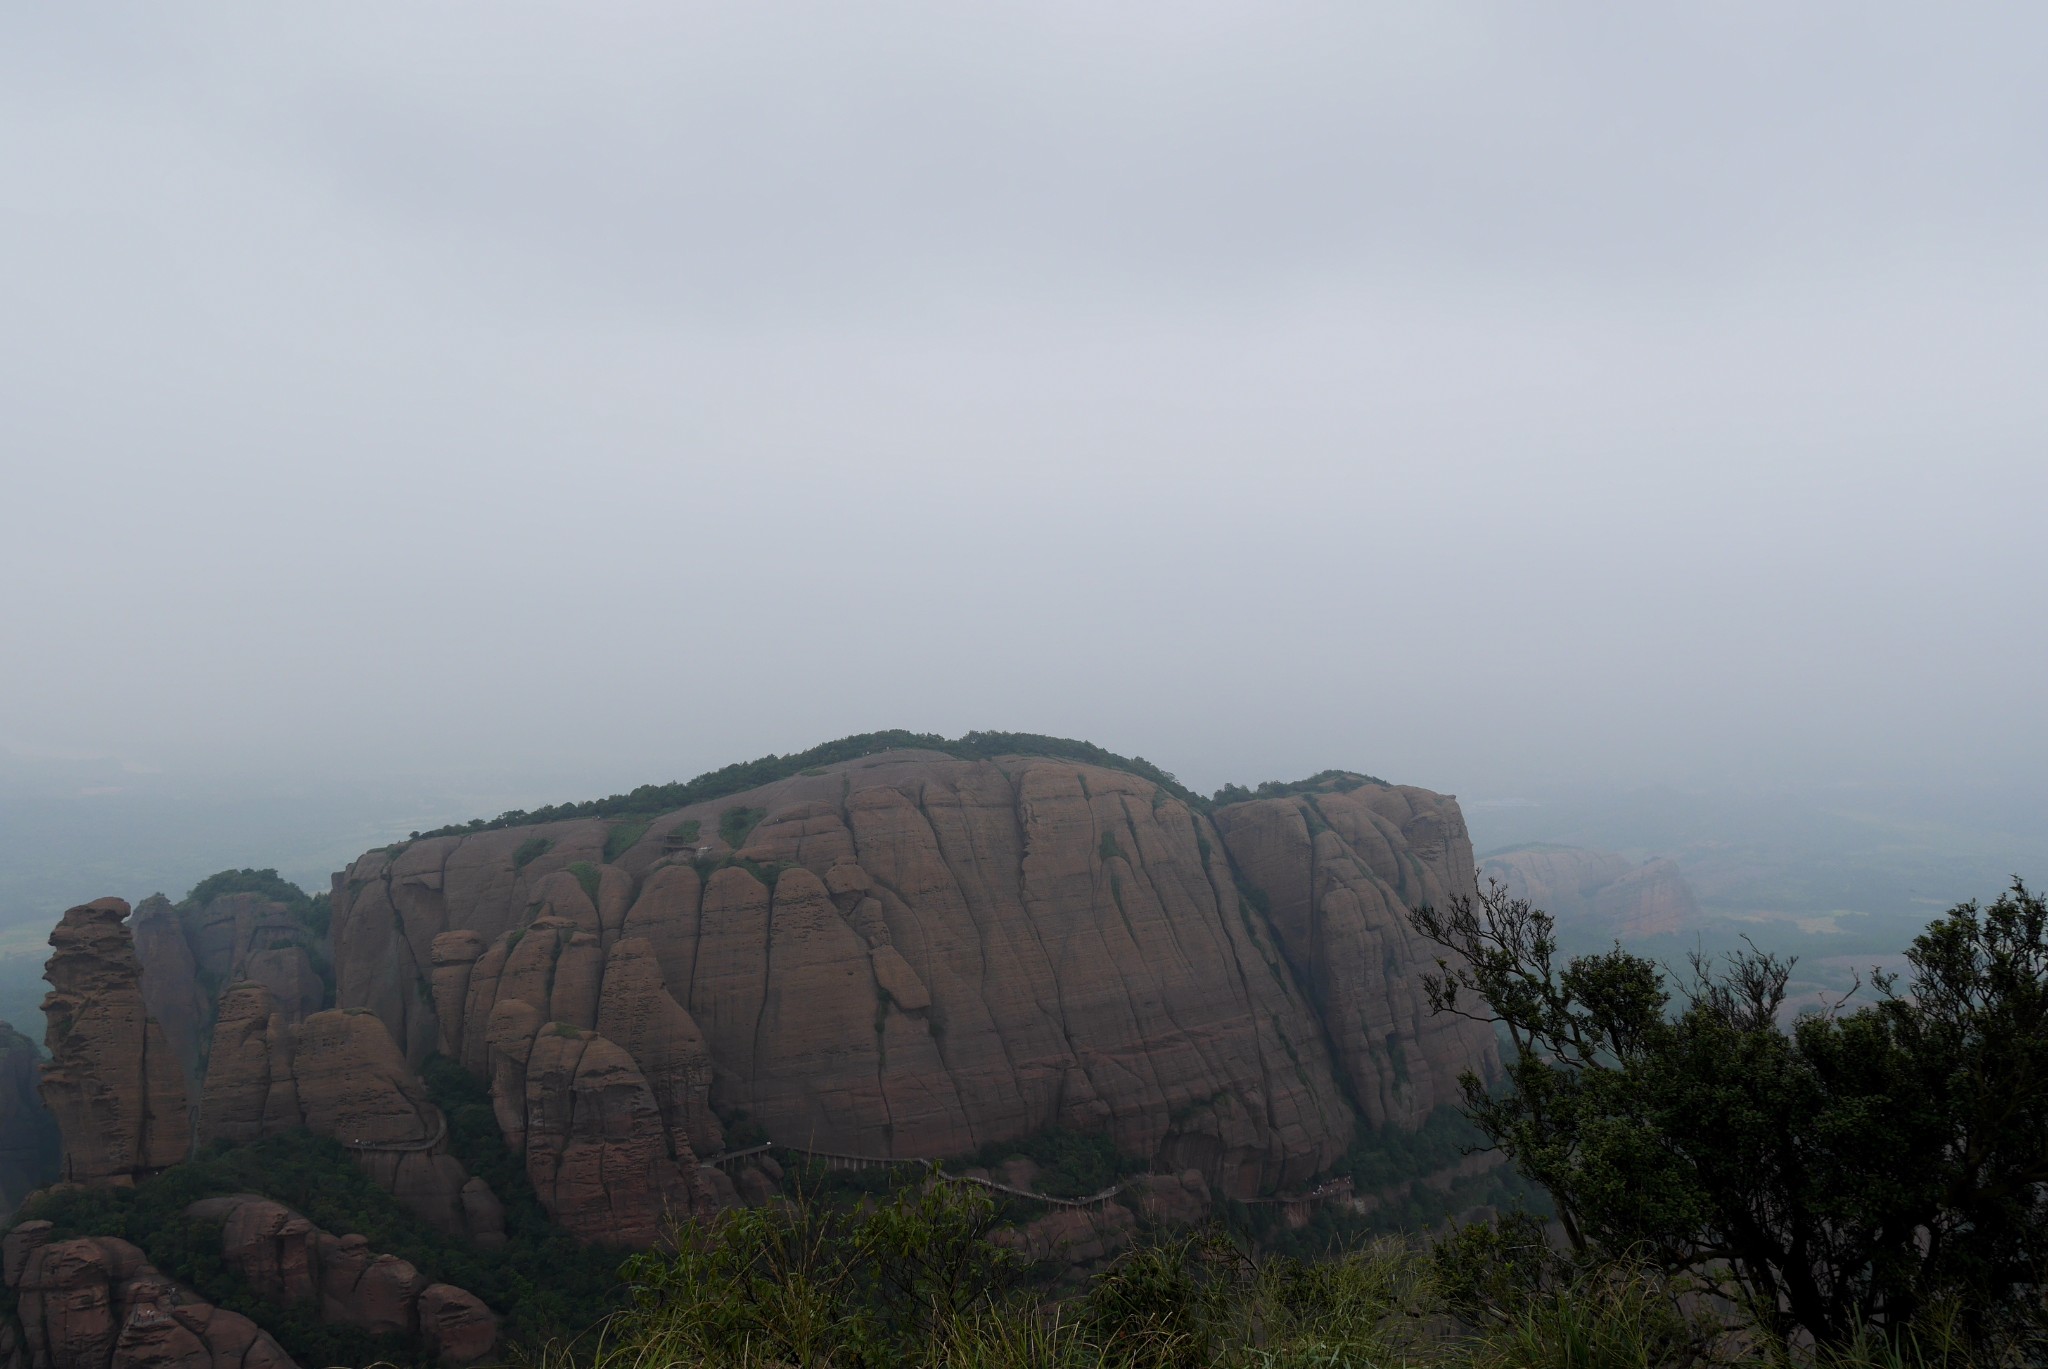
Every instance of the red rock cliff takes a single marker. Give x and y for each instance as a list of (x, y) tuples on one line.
[(913, 955)]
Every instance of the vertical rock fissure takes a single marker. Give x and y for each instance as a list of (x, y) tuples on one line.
[(1020, 816), (980, 950), (1243, 982), (696, 944), (761, 1007)]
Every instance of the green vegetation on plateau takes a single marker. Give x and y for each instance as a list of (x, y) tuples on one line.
[(652, 799), (314, 912)]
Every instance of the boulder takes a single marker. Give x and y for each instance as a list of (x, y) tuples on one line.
[(553, 981), (359, 1287), (112, 1081), (455, 1325), (285, 1258), (97, 1303), (756, 1188), (268, 1244), (483, 1214)]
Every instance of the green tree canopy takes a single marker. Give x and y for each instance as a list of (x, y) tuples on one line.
[(1860, 1170)]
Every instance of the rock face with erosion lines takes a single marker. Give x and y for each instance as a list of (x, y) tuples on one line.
[(97, 1303), (339, 1074), (285, 1258), (193, 950), (913, 955), (115, 1088)]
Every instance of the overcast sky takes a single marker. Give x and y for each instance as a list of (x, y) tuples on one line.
[(1473, 394)]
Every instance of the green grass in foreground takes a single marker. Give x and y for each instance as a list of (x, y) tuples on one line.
[(913, 1283)]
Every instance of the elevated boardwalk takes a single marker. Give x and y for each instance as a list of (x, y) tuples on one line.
[(1335, 1189)]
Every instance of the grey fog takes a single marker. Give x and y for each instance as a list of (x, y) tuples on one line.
[(1629, 419)]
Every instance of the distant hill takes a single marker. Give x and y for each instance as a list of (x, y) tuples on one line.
[(1597, 892)]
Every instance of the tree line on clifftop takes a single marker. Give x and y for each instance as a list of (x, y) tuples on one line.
[(651, 799)]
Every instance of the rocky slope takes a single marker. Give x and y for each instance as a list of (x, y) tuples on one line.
[(1597, 892), (339, 1074), (912, 954), (284, 1257), (97, 1303)]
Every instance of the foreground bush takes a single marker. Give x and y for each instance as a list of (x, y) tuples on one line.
[(1882, 1170), (910, 1282)]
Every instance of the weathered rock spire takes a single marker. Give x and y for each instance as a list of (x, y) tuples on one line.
[(112, 1081)]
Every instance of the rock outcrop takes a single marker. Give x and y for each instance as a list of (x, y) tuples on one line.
[(598, 1075), (30, 1151), (191, 951), (1337, 868), (1597, 892), (339, 1074), (112, 1083), (595, 1145), (285, 1258), (97, 1303), (912, 955), (170, 984)]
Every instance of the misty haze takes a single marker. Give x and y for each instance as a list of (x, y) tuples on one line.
[(1017, 624)]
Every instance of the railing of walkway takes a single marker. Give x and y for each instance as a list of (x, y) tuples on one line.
[(1335, 1188)]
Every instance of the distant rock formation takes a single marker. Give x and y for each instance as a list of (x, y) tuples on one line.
[(97, 1303), (115, 1088), (287, 1259), (1597, 891), (30, 1148), (911, 955), (339, 1074)]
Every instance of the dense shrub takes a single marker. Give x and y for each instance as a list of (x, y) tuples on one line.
[(814, 1284), (909, 1283), (1876, 1170), (268, 883)]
